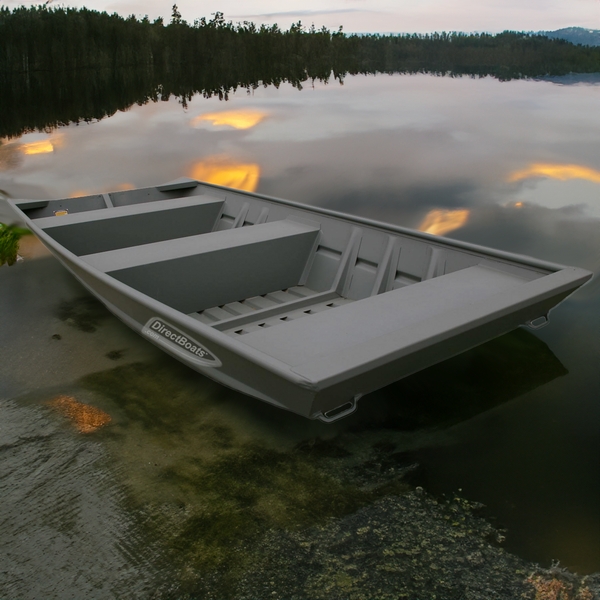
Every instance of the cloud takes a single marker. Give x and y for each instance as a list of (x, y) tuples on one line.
[(377, 15), (236, 119), (441, 222), (556, 235), (300, 13), (562, 172)]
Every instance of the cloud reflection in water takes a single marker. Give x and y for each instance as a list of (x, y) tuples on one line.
[(422, 152), (556, 171), (237, 119), (40, 147), (222, 171), (440, 222)]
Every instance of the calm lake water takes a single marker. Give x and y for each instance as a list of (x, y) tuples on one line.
[(173, 470)]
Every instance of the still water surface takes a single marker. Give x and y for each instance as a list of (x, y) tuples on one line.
[(514, 425)]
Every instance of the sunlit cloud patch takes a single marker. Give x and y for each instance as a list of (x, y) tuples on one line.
[(79, 193), (124, 187), (561, 172), (236, 119), (40, 147), (440, 221), (222, 171)]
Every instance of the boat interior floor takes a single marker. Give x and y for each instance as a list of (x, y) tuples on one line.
[(269, 310)]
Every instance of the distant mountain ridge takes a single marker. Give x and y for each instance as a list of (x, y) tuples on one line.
[(576, 35)]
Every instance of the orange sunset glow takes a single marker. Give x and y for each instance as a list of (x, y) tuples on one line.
[(241, 176), (41, 147), (238, 119), (440, 221), (46, 146), (556, 171), (79, 193), (122, 187)]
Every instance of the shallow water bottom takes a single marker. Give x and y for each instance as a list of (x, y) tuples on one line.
[(125, 474)]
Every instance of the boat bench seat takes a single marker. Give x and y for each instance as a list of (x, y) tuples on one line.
[(358, 328), (107, 229), (202, 271)]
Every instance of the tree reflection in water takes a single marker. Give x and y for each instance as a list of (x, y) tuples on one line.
[(65, 65)]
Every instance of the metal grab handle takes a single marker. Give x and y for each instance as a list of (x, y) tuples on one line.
[(340, 411), (538, 322)]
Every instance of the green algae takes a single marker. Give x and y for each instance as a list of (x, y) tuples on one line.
[(206, 486), (209, 478), (84, 313), (162, 397), (253, 489), (115, 354)]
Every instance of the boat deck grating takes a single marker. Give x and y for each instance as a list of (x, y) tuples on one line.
[(261, 307)]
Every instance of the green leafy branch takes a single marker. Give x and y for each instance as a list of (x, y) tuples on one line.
[(10, 236)]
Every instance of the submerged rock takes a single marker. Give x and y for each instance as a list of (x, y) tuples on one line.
[(409, 546)]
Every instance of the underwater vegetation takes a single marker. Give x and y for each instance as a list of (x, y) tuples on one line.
[(229, 494), (84, 313), (207, 483), (86, 418)]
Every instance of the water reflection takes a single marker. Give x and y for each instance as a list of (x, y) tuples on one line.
[(12, 152), (237, 119), (224, 171), (206, 470), (41, 147), (10, 157), (556, 171), (441, 222)]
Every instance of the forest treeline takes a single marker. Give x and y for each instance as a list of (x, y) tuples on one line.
[(48, 39), (59, 65)]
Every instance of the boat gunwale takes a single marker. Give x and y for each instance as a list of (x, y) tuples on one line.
[(253, 355), (176, 317), (437, 240), (488, 310)]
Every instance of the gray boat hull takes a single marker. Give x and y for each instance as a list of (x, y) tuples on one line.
[(304, 308)]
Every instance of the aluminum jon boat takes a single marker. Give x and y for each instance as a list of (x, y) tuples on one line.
[(305, 308)]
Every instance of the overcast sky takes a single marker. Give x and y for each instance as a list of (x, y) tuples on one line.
[(373, 15)]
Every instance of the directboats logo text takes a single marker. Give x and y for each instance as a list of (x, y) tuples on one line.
[(163, 333)]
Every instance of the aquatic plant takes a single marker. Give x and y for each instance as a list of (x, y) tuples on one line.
[(239, 510), (9, 242), (84, 313), (86, 418), (204, 483), (558, 584)]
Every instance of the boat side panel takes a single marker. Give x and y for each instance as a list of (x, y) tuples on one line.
[(346, 326), (210, 270), (323, 214), (113, 232), (248, 375), (70, 205), (414, 257), (357, 382)]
